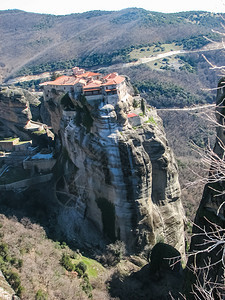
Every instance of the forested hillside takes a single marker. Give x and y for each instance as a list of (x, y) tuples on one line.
[(120, 40), (162, 54)]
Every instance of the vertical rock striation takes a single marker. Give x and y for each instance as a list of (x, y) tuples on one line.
[(126, 180)]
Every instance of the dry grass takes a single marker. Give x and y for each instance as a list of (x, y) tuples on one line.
[(154, 50), (28, 38), (41, 262)]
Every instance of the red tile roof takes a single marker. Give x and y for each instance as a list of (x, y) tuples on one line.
[(110, 79), (93, 84), (111, 75), (131, 115), (89, 74), (65, 80), (62, 80), (116, 80)]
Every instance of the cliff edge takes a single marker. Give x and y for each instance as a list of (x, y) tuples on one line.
[(126, 181)]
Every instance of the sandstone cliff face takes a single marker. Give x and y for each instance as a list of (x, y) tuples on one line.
[(211, 212), (15, 110), (126, 183)]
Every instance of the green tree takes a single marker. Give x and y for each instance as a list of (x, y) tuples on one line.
[(66, 262), (143, 106), (82, 266), (54, 76)]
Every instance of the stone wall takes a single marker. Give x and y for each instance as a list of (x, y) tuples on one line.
[(41, 165), (8, 145), (25, 183)]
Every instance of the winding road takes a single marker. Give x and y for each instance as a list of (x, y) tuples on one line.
[(144, 60), (188, 108)]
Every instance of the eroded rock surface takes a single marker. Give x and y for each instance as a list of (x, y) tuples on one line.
[(126, 183), (16, 105)]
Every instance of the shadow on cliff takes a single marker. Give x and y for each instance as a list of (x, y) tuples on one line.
[(142, 285), (37, 204)]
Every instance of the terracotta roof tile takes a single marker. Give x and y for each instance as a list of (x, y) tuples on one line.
[(65, 80), (111, 75), (131, 115), (110, 79), (89, 74), (93, 84), (116, 80)]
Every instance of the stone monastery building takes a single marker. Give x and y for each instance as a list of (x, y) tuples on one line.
[(95, 87)]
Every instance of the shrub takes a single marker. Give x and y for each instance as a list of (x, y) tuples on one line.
[(86, 286), (19, 263), (115, 252), (67, 263), (136, 92), (135, 103), (41, 295), (3, 249), (82, 266), (63, 245), (20, 290), (79, 271), (74, 255), (14, 280)]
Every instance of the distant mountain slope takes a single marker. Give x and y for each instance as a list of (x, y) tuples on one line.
[(34, 39)]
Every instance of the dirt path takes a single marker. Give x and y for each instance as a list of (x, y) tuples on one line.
[(144, 60), (28, 78), (188, 108)]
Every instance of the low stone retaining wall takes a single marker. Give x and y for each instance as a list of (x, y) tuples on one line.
[(26, 182), (42, 165)]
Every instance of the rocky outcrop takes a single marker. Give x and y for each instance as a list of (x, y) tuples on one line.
[(208, 240), (126, 180), (15, 110)]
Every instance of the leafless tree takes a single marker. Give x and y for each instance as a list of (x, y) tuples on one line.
[(206, 260)]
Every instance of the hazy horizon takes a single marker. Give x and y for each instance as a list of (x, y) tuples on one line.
[(66, 7)]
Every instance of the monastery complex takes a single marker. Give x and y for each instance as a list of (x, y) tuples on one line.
[(96, 88)]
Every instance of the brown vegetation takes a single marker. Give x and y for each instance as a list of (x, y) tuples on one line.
[(41, 268), (29, 38), (185, 130)]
